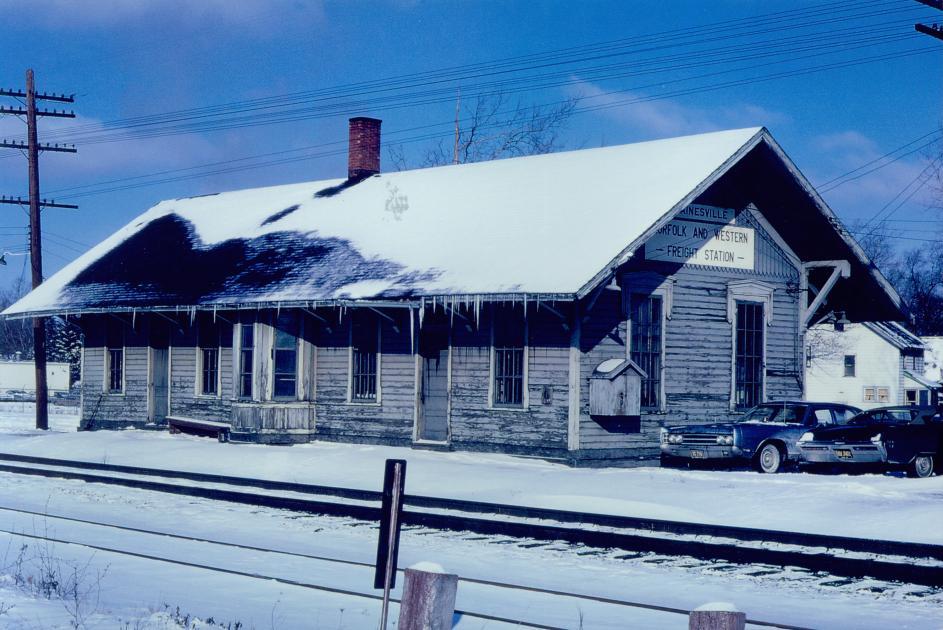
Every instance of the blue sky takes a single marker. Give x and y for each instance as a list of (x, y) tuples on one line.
[(666, 69)]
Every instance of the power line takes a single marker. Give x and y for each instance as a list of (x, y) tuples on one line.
[(619, 103), (630, 46), (33, 148), (835, 181)]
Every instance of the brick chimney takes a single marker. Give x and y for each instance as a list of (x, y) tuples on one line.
[(363, 153)]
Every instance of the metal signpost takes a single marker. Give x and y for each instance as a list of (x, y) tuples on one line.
[(394, 481)]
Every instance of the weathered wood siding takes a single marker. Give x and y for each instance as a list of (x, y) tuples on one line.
[(184, 399), (388, 421), (104, 409), (541, 427), (698, 346)]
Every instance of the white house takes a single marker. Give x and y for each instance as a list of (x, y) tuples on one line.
[(21, 375), (868, 364)]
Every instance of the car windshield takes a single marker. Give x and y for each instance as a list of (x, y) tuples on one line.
[(792, 414), (883, 416)]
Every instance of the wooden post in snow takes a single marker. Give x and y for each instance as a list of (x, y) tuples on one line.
[(428, 598), (719, 616)]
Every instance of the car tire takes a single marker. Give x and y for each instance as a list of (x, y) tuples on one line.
[(770, 459), (921, 467)]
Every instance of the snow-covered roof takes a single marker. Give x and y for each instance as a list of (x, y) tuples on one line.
[(933, 359), (896, 334), (537, 225)]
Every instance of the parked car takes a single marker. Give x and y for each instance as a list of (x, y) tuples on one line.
[(908, 437), (765, 436)]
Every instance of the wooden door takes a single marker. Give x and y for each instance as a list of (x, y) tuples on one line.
[(158, 399), (434, 383)]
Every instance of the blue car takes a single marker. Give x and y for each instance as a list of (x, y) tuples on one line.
[(766, 436)]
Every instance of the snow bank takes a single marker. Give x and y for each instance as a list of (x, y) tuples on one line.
[(717, 607), (428, 567), (867, 506)]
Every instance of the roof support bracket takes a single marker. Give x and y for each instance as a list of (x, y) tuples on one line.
[(563, 318), (840, 269), (386, 317)]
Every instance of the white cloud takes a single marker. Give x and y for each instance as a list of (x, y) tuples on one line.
[(669, 117), (103, 161), (842, 152)]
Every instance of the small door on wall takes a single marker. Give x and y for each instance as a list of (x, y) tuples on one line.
[(158, 398), (433, 414)]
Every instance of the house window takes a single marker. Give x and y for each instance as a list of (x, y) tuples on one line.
[(849, 365), (209, 358), (646, 318), (869, 394), (364, 357), (748, 386), (910, 396), (246, 359), (285, 357), (884, 394), (114, 360), (508, 334)]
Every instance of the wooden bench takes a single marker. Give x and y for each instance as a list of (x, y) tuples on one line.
[(193, 426)]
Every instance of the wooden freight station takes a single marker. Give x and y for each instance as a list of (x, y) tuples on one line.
[(564, 305)]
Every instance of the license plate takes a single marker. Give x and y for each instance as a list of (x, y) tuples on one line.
[(843, 453), (698, 454)]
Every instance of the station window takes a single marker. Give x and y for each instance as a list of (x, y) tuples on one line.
[(114, 359), (246, 359), (364, 357), (749, 344), (849, 365), (509, 332), (646, 348), (208, 340), (285, 357)]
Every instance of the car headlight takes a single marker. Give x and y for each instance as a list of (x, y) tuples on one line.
[(876, 439), (664, 436), (725, 440), (808, 436), (675, 438)]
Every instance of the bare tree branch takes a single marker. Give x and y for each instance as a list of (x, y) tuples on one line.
[(492, 128)]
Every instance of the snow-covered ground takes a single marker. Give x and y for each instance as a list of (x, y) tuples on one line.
[(136, 592), (134, 588), (870, 506)]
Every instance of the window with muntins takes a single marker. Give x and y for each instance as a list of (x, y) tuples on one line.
[(646, 318), (285, 357), (364, 348), (849, 365), (115, 357), (509, 333), (748, 387), (246, 359), (209, 358)]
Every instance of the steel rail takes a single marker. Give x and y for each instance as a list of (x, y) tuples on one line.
[(640, 542), (259, 576), (470, 580), (864, 545)]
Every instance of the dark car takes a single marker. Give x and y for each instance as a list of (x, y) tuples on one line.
[(908, 437), (766, 435)]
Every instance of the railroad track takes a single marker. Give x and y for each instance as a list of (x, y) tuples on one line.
[(582, 597), (848, 557)]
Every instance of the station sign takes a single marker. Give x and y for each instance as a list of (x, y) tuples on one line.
[(704, 235)]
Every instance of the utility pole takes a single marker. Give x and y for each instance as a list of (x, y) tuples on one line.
[(458, 111), (933, 30), (33, 148)]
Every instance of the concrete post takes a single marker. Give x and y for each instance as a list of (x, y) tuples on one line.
[(719, 616), (428, 598)]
